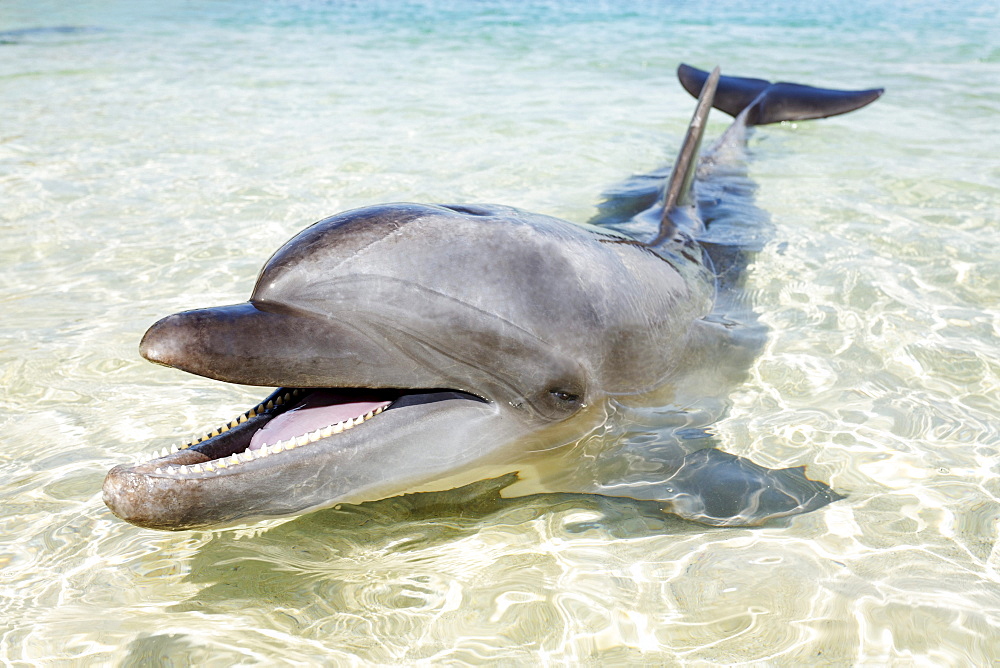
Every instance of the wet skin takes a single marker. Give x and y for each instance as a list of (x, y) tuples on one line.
[(425, 347)]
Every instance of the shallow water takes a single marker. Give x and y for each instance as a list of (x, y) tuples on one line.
[(152, 158)]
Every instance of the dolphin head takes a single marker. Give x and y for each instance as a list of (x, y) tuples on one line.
[(409, 343), (397, 296)]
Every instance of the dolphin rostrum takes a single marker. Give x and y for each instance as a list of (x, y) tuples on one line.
[(425, 347)]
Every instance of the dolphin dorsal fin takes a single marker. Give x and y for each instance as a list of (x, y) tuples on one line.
[(677, 191)]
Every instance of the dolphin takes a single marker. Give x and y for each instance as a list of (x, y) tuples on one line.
[(421, 348)]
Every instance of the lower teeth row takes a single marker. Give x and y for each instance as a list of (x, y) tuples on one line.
[(249, 455)]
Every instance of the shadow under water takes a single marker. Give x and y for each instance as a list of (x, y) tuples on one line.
[(280, 563)]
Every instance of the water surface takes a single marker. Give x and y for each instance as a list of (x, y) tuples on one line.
[(151, 158)]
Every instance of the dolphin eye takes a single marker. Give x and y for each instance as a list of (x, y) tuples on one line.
[(563, 395)]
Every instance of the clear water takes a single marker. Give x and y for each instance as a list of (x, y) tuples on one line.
[(151, 161)]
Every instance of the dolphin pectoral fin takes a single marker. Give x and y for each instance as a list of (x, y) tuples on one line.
[(720, 489), (765, 102)]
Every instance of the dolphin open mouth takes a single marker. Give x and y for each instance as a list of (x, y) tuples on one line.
[(287, 419), (259, 463)]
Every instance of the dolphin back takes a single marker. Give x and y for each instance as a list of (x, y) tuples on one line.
[(764, 102)]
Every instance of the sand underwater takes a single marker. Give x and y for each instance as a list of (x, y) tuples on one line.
[(152, 158)]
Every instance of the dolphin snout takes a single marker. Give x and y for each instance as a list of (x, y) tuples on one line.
[(164, 342)]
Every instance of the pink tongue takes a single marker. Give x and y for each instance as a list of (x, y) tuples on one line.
[(320, 409)]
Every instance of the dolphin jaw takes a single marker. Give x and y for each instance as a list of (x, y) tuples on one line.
[(227, 463), (205, 455), (165, 491)]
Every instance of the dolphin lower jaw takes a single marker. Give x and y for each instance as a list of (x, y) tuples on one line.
[(225, 475)]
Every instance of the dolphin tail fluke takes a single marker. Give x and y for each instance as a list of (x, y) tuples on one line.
[(764, 102)]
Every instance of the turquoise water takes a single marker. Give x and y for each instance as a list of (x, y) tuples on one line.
[(153, 158)]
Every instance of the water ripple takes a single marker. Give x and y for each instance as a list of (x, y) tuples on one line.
[(151, 161)]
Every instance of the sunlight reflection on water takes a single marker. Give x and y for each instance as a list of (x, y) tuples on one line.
[(153, 161)]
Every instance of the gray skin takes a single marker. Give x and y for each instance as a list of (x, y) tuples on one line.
[(507, 341)]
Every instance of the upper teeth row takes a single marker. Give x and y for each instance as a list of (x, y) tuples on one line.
[(249, 455), (252, 413)]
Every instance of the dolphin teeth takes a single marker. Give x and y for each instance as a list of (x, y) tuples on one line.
[(249, 455), (157, 471)]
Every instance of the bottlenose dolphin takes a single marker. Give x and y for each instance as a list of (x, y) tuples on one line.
[(425, 347)]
